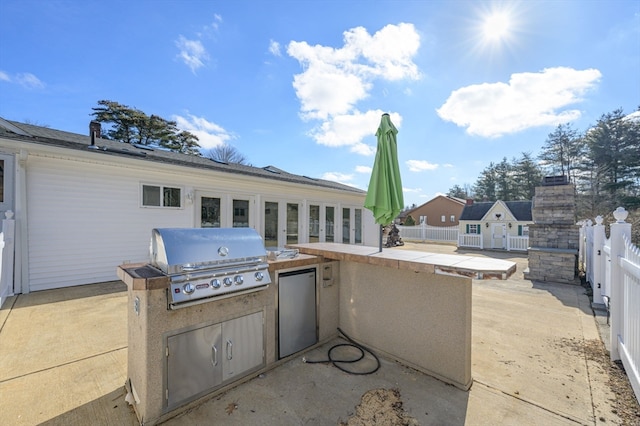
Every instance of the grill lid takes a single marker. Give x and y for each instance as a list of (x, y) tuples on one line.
[(178, 250)]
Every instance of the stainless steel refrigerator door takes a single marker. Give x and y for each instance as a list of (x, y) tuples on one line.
[(297, 324)]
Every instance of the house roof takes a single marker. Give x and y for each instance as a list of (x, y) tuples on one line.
[(46, 136), (521, 210), (453, 199)]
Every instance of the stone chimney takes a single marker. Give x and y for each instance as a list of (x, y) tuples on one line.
[(469, 202), (554, 236)]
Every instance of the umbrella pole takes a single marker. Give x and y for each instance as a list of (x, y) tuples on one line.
[(381, 233)]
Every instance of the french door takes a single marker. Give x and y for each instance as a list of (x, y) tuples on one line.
[(322, 223), (351, 225), (281, 223), (224, 211)]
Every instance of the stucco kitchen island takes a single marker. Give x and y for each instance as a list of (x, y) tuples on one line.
[(413, 307)]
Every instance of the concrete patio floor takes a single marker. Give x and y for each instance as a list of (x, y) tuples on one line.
[(63, 361)]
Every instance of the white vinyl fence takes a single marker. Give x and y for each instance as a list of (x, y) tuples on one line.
[(424, 232), (612, 267), (514, 243)]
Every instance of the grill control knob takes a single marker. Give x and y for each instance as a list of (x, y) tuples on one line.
[(188, 288), (227, 281), (259, 276), (238, 279), (215, 283)]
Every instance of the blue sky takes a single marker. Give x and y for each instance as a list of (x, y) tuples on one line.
[(301, 85)]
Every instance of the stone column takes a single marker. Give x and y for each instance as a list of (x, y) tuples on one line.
[(554, 237)]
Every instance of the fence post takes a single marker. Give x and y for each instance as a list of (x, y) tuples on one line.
[(617, 230), (598, 259)]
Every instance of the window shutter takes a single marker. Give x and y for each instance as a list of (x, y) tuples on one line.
[(467, 228), (479, 229), (519, 230)]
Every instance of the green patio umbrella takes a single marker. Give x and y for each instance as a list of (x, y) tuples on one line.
[(384, 195)]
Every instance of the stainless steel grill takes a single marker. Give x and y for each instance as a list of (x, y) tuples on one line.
[(205, 264)]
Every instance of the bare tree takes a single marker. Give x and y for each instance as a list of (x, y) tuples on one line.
[(226, 154)]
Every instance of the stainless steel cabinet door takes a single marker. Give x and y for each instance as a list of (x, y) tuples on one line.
[(194, 363), (243, 343)]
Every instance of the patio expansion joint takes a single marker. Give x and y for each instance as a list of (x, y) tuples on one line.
[(63, 364), (535, 404)]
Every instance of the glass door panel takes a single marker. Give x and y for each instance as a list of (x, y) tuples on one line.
[(292, 223), (270, 224), (329, 224), (346, 225), (314, 223), (241, 213), (358, 226), (209, 212)]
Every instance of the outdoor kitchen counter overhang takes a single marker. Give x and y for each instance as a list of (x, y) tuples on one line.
[(417, 261)]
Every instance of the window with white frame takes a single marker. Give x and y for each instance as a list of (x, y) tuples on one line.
[(452, 218), (161, 196), (473, 228), (443, 218)]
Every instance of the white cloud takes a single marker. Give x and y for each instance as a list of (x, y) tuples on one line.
[(216, 21), (343, 178), (274, 48), (209, 134), (410, 190), (192, 53), (364, 169), (350, 129), (334, 80), (420, 165), (25, 79), (527, 100)]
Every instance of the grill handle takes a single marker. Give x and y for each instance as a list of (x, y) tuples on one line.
[(214, 355), (229, 349)]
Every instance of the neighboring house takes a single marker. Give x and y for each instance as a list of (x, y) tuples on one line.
[(441, 210), (502, 225), (85, 205)]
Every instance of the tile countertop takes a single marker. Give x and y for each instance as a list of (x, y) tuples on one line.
[(445, 264)]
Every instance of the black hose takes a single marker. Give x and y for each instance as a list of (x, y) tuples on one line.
[(336, 362)]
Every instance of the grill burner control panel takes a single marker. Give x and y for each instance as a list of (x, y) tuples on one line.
[(214, 286)]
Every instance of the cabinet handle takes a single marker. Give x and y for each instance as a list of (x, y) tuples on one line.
[(214, 354), (229, 349)]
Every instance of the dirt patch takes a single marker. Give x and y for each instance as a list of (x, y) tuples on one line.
[(625, 405), (380, 407)]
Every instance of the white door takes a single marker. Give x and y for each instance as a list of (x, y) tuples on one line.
[(351, 225), (209, 210), (498, 236), (322, 220), (281, 223)]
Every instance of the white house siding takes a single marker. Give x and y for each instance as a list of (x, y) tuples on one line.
[(85, 218)]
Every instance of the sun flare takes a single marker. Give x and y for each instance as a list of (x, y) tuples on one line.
[(496, 26)]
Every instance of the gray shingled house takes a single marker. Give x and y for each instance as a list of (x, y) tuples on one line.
[(84, 205)]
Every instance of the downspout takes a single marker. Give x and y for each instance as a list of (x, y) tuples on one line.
[(21, 271)]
